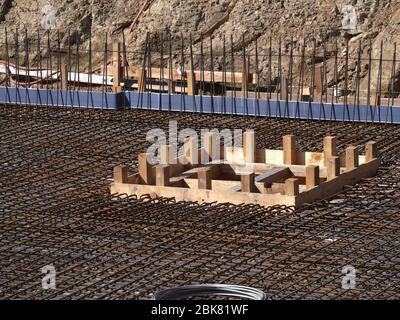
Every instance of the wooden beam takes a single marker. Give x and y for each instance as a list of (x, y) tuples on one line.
[(204, 178), (329, 188), (245, 78), (117, 68), (274, 175), (289, 150), (248, 183), (312, 176), (142, 80), (292, 187), (283, 87), (352, 160), (329, 148), (121, 174), (162, 175), (318, 80), (371, 151), (166, 154), (64, 76), (249, 146), (191, 150), (145, 169), (211, 150), (333, 167), (191, 84), (207, 76)]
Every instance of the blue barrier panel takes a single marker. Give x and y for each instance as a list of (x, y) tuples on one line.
[(201, 104)]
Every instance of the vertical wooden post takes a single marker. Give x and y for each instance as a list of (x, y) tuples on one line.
[(191, 150), (329, 148), (333, 168), (249, 146), (245, 78), (162, 175), (117, 69), (142, 79), (64, 77), (318, 80), (191, 83), (312, 176), (351, 158), (204, 178), (121, 174), (171, 82), (289, 150), (248, 183), (211, 148), (166, 154), (145, 169), (283, 87), (371, 151), (292, 187)]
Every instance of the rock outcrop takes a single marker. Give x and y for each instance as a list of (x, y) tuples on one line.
[(246, 20)]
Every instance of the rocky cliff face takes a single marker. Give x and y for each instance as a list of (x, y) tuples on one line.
[(246, 20)]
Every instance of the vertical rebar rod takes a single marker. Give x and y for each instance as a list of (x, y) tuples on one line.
[(233, 75), (312, 89), (170, 69), (125, 64), (7, 58), (48, 60), (212, 84), (357, 85), (39, 59), (76, 85), (379, 85), (325, 73), (26, 58), (51, 60), (270, 69), (223, 109), (324, 86), (182, 72), (104, 82), (201, 72), (144, 76), (193, 75), (346, 84), (69, 58), (300, 81), (59, 62), (245, 93), (161, 71), (334, 87), (290, 84), (49, 68), (150, 76), (392, 83), (78, 59), (278, 104), (369, 107), (257, 100), (16, 48), (26, 63), (90, 71)]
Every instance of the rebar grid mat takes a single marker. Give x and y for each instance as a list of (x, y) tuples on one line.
[(56, 166)]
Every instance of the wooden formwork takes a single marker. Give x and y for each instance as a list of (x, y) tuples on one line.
[(248, 175)]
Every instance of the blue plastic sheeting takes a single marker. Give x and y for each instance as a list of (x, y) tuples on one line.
[(201, 104)]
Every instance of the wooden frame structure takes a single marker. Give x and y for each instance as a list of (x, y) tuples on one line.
[(248, 175)]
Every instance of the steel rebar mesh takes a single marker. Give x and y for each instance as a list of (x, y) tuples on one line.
[(56, 209)]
